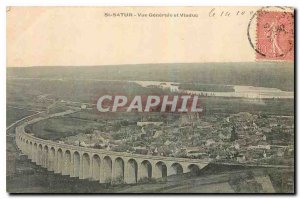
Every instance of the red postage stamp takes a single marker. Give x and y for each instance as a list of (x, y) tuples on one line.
[(275, 35)]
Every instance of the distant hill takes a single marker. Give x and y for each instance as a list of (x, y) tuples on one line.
[(265, 74)]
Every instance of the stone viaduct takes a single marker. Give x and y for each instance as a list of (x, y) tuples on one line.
[(97, 164)]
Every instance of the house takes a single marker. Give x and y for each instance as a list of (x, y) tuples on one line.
[(83, 106)]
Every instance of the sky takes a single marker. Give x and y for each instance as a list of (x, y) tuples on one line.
[(83, 36)]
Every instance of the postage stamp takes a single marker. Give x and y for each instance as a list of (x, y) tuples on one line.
[(275, 35)]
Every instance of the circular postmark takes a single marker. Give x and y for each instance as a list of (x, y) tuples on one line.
[(271, 33)]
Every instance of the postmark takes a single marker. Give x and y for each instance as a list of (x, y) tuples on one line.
[(271, 34)]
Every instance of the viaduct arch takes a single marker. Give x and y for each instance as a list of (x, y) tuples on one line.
[(97, 164)]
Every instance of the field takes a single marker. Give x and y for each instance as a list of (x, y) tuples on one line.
[(56, 128), (235, 105), (14, 114), (205, 87)]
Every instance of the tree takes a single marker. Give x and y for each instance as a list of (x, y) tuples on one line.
[(234, 135)]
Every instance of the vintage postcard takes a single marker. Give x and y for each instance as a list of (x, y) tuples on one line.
[(150, 100)]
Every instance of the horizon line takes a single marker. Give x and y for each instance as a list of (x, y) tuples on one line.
[(171, 63)]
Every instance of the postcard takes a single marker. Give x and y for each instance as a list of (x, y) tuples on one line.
[(150, 100)]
